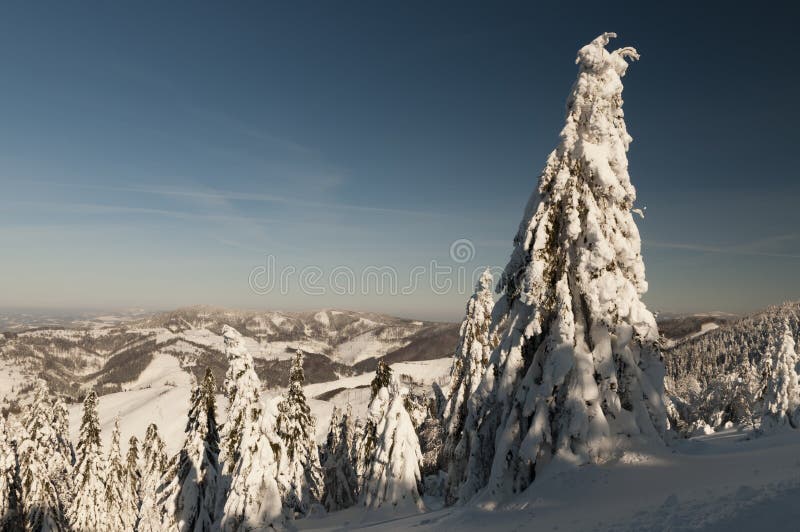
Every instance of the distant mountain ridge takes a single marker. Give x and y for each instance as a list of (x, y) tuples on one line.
[(107, 357)]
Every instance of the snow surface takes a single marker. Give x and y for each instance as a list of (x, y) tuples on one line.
[(717, 482)]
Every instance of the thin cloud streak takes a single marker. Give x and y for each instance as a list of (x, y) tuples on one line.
[(211, 194), (736, 250)]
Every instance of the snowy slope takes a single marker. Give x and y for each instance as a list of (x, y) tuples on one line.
[(718, 482)]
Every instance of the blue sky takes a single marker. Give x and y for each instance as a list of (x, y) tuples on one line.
[(153, 155)]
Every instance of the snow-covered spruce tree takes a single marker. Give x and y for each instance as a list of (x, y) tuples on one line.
[(779, 394), (41, 466), (120, 502), (188, 494), (393, 477), (61, 466), (253, 498), (431, 438), (154, 467), (299, 473), (243, 391), (475, 344), (10, 501), (367, 433), (341, 483), (577, 371), (87, 511), (133, 477)]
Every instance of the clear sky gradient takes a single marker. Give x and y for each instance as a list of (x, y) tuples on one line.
[(152, 154)]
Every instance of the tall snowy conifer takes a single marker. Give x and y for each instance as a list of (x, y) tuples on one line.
[(253, 499), (88, 509), (393, 478), (189, 488), (299, 474), (779, 395), (475, 344), (154, 467), (577, 369)]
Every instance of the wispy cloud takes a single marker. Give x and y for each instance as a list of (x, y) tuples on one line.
[(219, 195), (754, 248)]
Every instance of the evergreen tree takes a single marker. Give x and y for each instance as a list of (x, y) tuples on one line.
[(393, 476), (299, 474), (431, 438), (42, 467), (133, 479), (368, 433), (341, 484), (243, 391), (64, 458), (253, 500), (88, 509), (155, 464), (188, 492), (382, 379), (780, 389), (475, 344), (120, 502), (577, 372), (10, 495)]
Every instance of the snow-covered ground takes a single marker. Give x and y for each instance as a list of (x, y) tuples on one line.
[(718, 482)]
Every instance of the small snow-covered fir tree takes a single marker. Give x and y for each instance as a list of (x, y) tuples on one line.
[(120, 502), (393, 477), (243, 391), (367, 433), (188, 494), (341, 483), (577, 372), (45, 462), (475, 344), (133, 477), (431, 441), (779, 395), (88, 510), (155, 463), (11, 510), (253, 499), (299, 474)]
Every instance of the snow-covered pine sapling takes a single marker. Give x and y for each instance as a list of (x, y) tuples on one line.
[(133, 478), (577, 372), (341, 484), (299, 473), (88, 510), (189, 488), (779, 393), (253, 499), (154, 467), (475, 343), (119, 514), (393, 479)]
